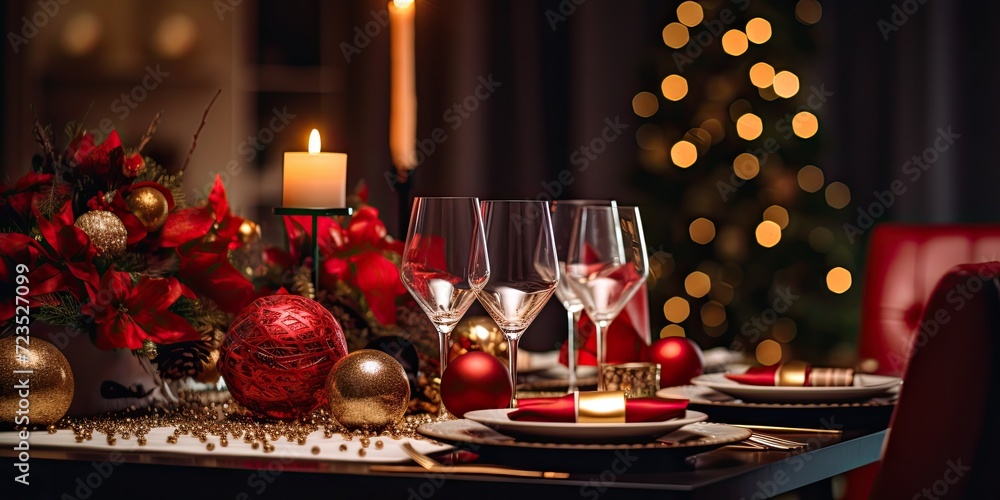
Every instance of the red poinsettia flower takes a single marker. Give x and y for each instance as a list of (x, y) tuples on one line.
[(357, 255), (192, 224), (43, 277), (103, 159), (205, 268), (128, 314), (15, 200), (68, 247)]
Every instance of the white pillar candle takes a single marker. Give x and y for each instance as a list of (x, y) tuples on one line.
[(403, 87), (314, 179)]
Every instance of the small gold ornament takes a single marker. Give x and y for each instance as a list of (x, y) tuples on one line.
[(105, 229), (368, 389), (35, 377), (149, 349), (478, 333), (249, 232), (150, 206)]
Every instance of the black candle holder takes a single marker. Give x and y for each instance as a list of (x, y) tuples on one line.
[(315, 214)]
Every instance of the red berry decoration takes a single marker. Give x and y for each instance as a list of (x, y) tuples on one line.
[(475, 381), (278, 353), (680, 360)]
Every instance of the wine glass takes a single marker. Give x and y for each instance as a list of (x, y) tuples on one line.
[(565, 216), (524, 269), (444, 262), (606, 265)]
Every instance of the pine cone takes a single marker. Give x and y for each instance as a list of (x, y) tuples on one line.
[(183, 359)]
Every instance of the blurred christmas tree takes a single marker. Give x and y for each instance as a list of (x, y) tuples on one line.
[(752, 253)]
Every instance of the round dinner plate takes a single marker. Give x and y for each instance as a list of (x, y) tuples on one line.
[(691, 437), (865, 386), (573, 432)]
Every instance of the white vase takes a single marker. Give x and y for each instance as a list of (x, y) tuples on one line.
[(104, 381)]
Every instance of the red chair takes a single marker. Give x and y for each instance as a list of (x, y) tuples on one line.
[(941, 443), (904, 263)]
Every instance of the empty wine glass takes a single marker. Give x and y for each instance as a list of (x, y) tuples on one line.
[(524, 269), (605, 266), (445, 262), (565, 216)]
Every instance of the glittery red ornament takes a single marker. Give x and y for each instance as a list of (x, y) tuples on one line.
[(680, 360), (278, 353), (475, 381)]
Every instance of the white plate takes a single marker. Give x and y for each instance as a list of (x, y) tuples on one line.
[(563, 432), (693, 437), (865, 386)]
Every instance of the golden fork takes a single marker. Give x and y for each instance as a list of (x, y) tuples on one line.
[(433, 465)]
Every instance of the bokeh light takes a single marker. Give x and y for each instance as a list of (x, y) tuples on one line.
[(713, 314), (734, 42), (808, 11), (805, 124), (702, 231), (810, 178), (768, 234), (838, 195), (746, 166), (82, 33), (714, 127), (786, 84), (697, 284), (768, 352), (739, 108), (749, 126), (784, 330), (675, 35), (683, 154), (674, 87), (758, 30), (762, 74), (838, 280), (645, 104), (777, 214), (690, 13), (676, 309), (175, 36), (672, 331)]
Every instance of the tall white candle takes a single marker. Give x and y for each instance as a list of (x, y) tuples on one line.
[(403, 87), (314, 179)]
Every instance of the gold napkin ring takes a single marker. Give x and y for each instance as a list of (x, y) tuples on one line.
[(600, 407), (791, 374)]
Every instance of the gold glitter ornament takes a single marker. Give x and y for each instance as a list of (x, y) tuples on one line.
[(150, 206), (249, 232), (49, 382), (478, 333), (368, 389), (105, 229)]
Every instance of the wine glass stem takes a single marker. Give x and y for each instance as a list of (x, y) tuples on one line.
[(600, 329), (512, 360), (443, 334), (573, 317)]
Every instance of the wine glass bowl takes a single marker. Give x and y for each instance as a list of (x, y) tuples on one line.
[(524, 268), (444, 262)]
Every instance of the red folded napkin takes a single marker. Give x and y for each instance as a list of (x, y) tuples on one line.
[(564, 409), (797, 374)]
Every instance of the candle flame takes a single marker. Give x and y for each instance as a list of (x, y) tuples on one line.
[(402, 4), (314, 144)]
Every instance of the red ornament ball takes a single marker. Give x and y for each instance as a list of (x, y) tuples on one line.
[(680, 360), (475, 381), (278, 353)]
